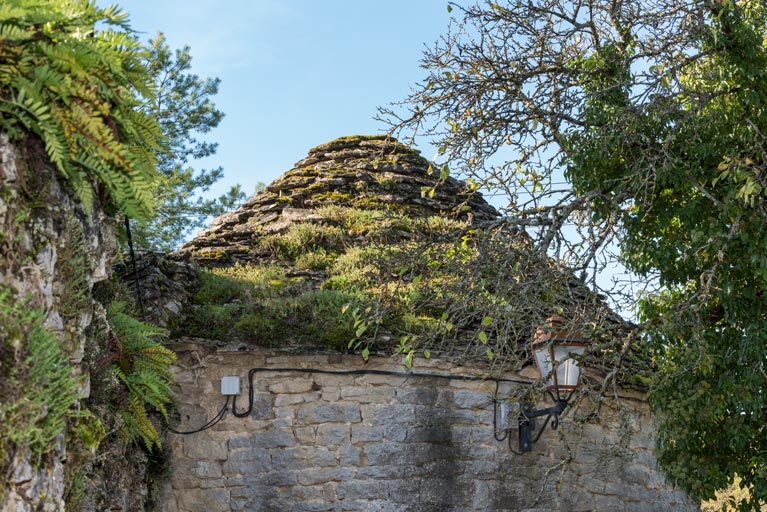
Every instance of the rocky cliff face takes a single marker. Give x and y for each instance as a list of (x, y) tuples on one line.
[(58, 407), (53, 251), (365, 172)]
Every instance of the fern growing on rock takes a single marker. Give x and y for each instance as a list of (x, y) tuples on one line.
[(38, 389), (78, 89), (142, 365)]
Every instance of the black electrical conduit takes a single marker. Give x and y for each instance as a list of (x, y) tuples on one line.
[(360, 372), (221, 413), (218, 417), (497, 380)]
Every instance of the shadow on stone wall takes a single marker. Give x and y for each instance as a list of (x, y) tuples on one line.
[(319, 442)]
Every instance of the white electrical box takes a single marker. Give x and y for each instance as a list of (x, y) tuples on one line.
[(230, 385)]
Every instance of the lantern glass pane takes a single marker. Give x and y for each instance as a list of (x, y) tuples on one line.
[(568, 371), (544, 362)]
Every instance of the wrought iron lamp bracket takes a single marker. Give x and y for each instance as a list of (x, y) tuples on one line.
[(527, 420)]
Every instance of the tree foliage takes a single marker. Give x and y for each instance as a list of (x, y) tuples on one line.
[(184, 107), (79, 89), (637, 126)]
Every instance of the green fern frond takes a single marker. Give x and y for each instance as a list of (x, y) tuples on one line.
[(143, 366), (138, 426), (73, 85)]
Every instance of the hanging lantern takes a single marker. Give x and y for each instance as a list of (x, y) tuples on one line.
[(554, 349)]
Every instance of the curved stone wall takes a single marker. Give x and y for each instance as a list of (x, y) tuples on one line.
[(363, 442)]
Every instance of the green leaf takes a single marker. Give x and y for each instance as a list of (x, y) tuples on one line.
[(486, 321), (482, 337)]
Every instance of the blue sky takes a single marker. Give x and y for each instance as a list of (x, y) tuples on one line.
[(294, 73)]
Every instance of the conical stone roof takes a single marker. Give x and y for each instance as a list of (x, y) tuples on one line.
[(361, 246), (364, 172)]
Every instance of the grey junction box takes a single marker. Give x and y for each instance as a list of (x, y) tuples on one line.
[(230, 385)]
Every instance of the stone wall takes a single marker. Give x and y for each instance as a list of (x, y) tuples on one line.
[(324, 442)]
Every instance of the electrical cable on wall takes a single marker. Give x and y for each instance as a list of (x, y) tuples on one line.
[(251, 398), (136, 279), (218, 417)]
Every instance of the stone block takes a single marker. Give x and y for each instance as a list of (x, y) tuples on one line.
[(368, 395), (204, 500), (189, 474), (302, 493), (330, 393), (349, 455), (385, 454), (300, 384), (305, 435), (313, 506), (426, 414), (445, 493), (422, 453), (333, 434), (365, 434), (397, 413), (471, 434), (375, 506), (260, 498), (363, 489), (247, 462), (287, 412), (428, 434), (396, 432), (470, 399), (420, 395), (319, 457), (206, 469), (272, 438), (383, 472), (382, 380), (278, 477), (284, 459), (206, 449), (324, 475), (239, 441), (289, 399), (324, 412)]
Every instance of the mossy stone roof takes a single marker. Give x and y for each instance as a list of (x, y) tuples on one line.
[(372, 172)]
